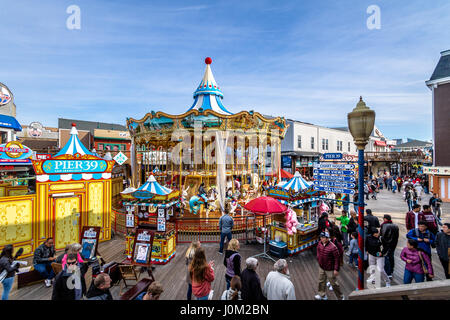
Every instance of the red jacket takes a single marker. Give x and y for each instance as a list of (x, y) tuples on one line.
[(410, 219), (328, 256), (203, 288), (431, 221)]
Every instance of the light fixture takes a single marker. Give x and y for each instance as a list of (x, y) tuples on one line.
[(360, 123)]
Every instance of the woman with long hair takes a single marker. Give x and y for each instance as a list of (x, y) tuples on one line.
[(6, 259), (234, 292), (232, 261), (202, 274), (190, 252)]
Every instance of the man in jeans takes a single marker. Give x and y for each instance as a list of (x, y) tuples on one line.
[(225, 226), (329, 261), (42, 260), (435, 203), (389, 239)]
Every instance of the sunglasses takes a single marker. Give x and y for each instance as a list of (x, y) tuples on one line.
[(71, 263)]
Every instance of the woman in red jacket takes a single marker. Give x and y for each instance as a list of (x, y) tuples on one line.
[(202, 274)]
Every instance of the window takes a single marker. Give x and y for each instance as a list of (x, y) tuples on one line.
[(116, 147), (339, 145), (312, 143), (349, 147), (124, 147), (108, 147), (100, 146), (299, 142), (324, 144)]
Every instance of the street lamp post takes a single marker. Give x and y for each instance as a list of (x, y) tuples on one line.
[(360, 123)]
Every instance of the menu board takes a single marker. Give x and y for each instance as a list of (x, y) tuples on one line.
[(142, 249), (89, 242)]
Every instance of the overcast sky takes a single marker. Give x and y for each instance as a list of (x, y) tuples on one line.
[(304, 60)]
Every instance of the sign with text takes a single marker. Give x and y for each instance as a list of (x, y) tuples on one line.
[(334, 184), (89, 242), (335, 172), (335, 190), (334, 166), (74, 166), (335, 178), (142, 249), (332, 156)]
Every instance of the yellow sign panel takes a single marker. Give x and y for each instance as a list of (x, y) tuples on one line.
[(67, 213), (66, 186), (16, 221)]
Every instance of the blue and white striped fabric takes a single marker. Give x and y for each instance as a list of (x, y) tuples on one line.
[(154, 187), (297, 183), (208, 95), (74, 145)]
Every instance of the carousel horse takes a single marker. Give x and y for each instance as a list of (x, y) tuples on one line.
[(196, 202)]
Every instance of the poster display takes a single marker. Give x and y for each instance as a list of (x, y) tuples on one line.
[(142, 249), (89, 242)]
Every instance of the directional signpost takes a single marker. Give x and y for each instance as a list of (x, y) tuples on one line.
[(334, 177)]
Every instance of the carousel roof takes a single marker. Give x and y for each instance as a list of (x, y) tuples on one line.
[(297, 183), (208, 95), (152, 186), (74, 145)]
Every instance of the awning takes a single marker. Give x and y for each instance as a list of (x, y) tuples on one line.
[(380, 143), (9, 122)]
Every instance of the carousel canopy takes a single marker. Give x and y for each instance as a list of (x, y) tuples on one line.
[(74, 145), (297, 183), (152, 186), (208, 95)]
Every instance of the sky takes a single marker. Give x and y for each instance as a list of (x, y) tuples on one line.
[(304, 60)]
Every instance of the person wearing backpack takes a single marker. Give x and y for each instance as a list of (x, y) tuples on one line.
[(232, 261)]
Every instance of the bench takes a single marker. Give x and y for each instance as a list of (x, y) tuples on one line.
[(28, 278), (137, 289)]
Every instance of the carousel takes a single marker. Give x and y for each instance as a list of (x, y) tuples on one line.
[(212, 156)]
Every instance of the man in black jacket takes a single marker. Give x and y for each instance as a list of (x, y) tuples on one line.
[(44, 255), (371, 219), (251, 285), (389, 238), (70, 283), (99, 289)]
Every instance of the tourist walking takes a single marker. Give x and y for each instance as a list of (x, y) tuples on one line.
[(366, 190), (373, 188), (329, 264), (225, 226), (232, 261), (278, 285), (352, 223), (336, 239), (251, 284), (413, 217), (234, 292), (344, 220), (409, 197), (431, 220), (353, 250), (435, 203), (188, 257), (419, 189), (6, 265), (376, 252), (389, 237), (371, 219), (443, 248), (202, 274), (424, 238), (323, 222), (43, 257), (394, 185), (69, 283), (99, 289), (417, 263)]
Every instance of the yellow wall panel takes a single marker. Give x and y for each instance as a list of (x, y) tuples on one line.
[(95, 207), (66, 186), (2, 191), (67, 212), (42, 211), (16, 221)]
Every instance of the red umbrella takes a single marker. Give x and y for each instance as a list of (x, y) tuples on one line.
[(284, 174), (265, 205)]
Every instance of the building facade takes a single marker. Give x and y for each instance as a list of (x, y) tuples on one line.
[(439, 84)]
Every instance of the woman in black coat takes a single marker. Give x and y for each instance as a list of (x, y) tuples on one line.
[(6, 260)]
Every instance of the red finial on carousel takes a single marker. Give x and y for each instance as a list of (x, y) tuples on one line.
[(73, 124), (208, 60)]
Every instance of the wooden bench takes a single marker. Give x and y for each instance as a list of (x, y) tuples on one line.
[(137, 289), (28, 278), (432, 290)]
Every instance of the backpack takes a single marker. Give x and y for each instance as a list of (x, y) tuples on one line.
[(230, 265)]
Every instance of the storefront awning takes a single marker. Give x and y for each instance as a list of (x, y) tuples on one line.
[(380, 143), (9, 122)]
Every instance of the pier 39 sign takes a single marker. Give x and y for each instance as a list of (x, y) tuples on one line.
[(72, 166)]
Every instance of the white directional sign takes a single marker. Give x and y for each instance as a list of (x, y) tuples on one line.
[(335, 178), (335, 172), (336, 190), (334, 166), (334, 184)]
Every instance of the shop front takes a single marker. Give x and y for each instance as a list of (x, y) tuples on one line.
[(439, 178)]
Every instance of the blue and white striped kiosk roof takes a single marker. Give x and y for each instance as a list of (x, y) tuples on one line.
[(152, 186), (297, 183), (74, 145), (208, 95)]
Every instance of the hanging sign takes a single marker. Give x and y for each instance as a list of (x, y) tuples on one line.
[(335, 190), (332, 156), (120, 158), (130, 220), (334, 178), (334, 166), (334, 184), (15, 152), (335, 172)]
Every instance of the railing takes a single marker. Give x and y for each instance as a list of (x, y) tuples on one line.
[(407, 156)]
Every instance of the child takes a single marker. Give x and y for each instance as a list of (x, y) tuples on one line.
[(74, 248), (189, 256), (353, 250)]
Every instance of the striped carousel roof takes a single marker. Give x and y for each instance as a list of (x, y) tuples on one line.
[(154, 187), (297, 183), (208, 95), (74, 145)]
